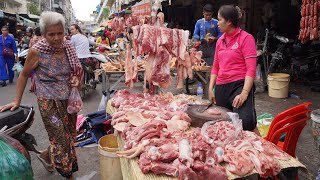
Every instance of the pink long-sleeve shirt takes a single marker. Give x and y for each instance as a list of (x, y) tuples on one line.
[(235, 57)]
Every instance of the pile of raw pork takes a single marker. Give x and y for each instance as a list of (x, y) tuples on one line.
[(160, 45), (156, 128), (310, 20)]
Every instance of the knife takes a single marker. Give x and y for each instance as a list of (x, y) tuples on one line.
[(210, 105)]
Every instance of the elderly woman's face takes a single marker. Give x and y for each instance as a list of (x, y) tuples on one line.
[(5, 31), (54, 35)]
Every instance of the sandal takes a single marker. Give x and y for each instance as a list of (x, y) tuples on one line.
[(48, 167)]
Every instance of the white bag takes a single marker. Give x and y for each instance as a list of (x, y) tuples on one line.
[(103, 103)]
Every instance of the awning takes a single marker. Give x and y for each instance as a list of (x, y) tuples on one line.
[(26, 22), (8, 15), (32, 17)]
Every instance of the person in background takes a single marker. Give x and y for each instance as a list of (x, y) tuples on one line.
[(107, 31), (104, 42), (81, 44), (206, 32), (36, 37), (234, 68), (7, 62), (57, 69), (26, 39), (99, 38)]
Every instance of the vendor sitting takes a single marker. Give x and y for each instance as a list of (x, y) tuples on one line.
[(104, 41)]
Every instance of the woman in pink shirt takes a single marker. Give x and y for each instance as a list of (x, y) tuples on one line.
[(234, 68)]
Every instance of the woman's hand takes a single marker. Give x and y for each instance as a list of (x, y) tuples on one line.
[(12, 106), (211, 96), (240, 99), (74, 81)]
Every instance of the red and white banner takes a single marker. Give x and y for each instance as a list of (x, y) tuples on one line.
[(141, 10)]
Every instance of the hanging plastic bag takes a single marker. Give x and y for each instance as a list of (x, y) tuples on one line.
[(14, 166), (103, 103), (259, 80), (17, 67), (74, 102), (237, 123)]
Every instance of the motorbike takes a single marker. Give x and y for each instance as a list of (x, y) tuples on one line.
[(22, 54), (89, 82), (281, 58), (16, 123), (306, 63)]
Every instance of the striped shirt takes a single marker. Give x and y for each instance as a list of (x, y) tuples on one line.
[(81, 43)]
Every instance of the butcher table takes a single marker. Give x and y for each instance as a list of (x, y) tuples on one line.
[(107, 87), (131, 171), (203, 75)]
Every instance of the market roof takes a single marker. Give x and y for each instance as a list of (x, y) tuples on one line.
[(26, 21)]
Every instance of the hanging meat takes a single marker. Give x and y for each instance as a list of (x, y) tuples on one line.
[(309, 23), (161, 45)]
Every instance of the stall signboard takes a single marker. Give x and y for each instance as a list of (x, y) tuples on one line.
[(141, 10)]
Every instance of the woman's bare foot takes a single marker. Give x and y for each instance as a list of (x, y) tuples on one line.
[(45, 155)]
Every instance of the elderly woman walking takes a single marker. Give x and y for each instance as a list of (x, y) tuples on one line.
[(8, 49), (57, 70)]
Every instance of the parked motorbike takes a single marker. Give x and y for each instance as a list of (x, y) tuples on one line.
[(89, 82), (281, 58), (16, 123), (306, 64), (22, 54)]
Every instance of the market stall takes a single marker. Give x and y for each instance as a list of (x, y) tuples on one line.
[(130, 169), (107, 87), (276, 162)]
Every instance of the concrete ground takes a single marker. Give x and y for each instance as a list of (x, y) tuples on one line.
[(88, 158)]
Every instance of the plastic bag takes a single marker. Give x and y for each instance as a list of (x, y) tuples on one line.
[(75, 103), (15, 144), (14, 166), (17, 67), (237, 123), (263, 124), (103, 103), (259, 80), (231, 136)]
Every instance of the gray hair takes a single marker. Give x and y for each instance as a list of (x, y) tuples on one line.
[(49, 18)]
